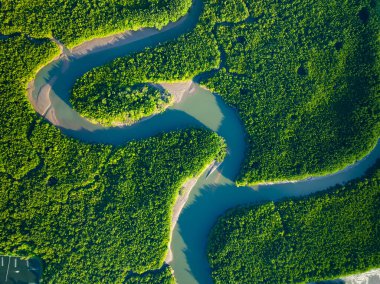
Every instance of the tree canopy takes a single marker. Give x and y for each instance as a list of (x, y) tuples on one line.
[(90, 212), (303, 76), (74, 21)]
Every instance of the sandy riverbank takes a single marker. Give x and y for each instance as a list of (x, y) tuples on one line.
[(363, 278), (41, 100), (180, 204), (119, 39), (179, 89), (372, 276)]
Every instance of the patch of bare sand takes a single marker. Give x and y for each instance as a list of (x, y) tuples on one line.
[(112, 41), (372, 276), (178, 89), (65, 52), (41, 100)]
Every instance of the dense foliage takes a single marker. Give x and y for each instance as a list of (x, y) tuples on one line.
[(320, 237), (303, 75), (18, 58), (76, 20), (123, 106), (232, 11), (92, 213)]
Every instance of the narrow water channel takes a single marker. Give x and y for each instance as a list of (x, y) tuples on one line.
[(212, 195)]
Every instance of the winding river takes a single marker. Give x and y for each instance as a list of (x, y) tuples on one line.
[(210, 196)]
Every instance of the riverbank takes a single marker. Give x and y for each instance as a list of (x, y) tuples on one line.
[(362, 278), (180, 204), (302, 217), (119, 39), (179, 90), (319, 176), (371, 276)]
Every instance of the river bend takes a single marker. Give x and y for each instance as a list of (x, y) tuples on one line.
[(210, 196)]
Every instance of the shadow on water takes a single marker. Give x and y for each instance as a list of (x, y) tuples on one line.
[(213, 195), (232, 130)]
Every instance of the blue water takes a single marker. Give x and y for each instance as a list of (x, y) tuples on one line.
[(210, 197)]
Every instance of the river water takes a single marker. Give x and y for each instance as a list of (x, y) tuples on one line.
[(211, 196)]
